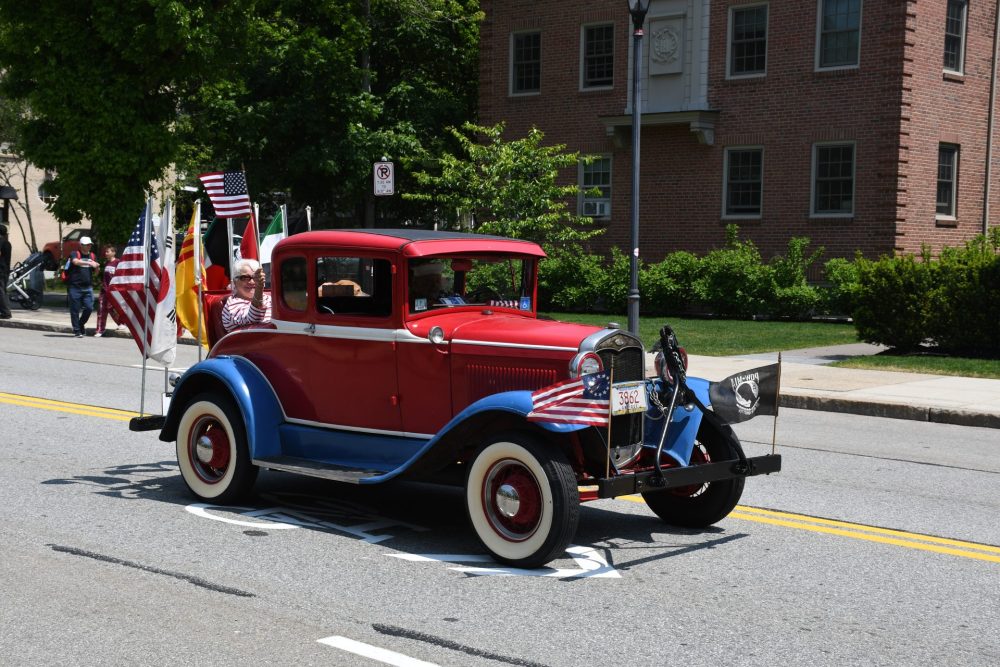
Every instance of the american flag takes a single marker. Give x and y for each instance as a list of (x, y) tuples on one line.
[(134, 295), (228, 192), (585, 400)]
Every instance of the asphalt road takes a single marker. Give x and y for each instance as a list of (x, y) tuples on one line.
[(877, 544)]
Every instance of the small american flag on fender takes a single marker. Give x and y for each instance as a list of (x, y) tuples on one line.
[(585, 400)]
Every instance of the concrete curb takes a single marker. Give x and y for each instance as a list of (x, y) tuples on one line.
[(890, 410)]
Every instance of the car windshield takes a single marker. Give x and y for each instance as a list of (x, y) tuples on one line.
[(471, 280)]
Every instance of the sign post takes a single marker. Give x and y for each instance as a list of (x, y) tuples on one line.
[(384, 179)]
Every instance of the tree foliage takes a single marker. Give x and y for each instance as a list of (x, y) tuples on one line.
[(510, 187), (304, 93)]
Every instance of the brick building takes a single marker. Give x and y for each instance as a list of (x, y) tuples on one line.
[(861, 124)]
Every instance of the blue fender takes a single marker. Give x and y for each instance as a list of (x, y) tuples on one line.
[(684, 425), (514, 402), (262, 415)]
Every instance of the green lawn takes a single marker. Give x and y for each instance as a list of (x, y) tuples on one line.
[(718, 338), (924, 363), (733, 337)]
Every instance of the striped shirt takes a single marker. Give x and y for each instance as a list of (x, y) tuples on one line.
[(240, 312)]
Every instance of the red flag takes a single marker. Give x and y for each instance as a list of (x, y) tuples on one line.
[(228, 192), (248, 245)]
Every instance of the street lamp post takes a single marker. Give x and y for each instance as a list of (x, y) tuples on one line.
[(638, 9)]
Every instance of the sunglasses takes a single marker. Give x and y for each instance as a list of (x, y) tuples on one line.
[(244, 279)]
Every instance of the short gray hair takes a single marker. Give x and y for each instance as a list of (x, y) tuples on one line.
[(243, 263)]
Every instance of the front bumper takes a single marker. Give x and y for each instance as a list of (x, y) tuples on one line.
[(672, 478)]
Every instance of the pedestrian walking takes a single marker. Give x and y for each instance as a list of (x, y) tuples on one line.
[(104, 300), (4, 273), (80, 285)]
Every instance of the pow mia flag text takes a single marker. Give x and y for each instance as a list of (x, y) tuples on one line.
[(747, 394)]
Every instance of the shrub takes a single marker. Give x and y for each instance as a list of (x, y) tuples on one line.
[(734, 281), (793, 295), (571, 281), (666, 286), (893, 300), (965, 302), (840, 296)]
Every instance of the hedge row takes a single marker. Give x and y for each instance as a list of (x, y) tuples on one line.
[(733, 281), (952, 302)]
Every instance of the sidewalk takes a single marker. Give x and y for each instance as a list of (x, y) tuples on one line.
[(807, 382)]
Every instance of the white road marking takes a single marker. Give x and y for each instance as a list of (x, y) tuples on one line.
[(374, 652), (591, 564)]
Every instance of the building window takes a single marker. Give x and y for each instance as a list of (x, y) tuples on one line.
[(954, 36), (526, 63), (947, 180), (833, 179), (744, 181), (595, 186), (839, 33), (748, 41), (598, 63)]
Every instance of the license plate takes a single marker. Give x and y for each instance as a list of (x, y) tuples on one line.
[(628, 397)]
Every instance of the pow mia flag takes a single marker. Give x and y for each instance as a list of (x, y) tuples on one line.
[(747, 394)]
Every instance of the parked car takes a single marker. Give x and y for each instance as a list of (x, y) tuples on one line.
[(418, 355), (56, 252)]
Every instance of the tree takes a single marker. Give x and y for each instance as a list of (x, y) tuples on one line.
[(511, 188), (329, 87), (103, 80), (15, 171), (305, 94)]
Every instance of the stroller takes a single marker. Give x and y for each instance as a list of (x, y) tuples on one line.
[(17, 283)]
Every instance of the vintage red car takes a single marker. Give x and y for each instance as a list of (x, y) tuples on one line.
[(410, 354)]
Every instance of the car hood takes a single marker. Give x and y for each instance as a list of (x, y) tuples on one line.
[(514, 330)]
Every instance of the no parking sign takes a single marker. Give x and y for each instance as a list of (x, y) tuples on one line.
[(384, 179)]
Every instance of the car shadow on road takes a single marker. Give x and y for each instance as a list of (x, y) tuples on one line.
[(413, 519)]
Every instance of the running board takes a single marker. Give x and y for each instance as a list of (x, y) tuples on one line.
[(312, 468)]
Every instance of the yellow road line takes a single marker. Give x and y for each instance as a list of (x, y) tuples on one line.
[(63, 406), (858, 531)]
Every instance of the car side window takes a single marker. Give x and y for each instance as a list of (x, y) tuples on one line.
[(348, 285), (293, 283)]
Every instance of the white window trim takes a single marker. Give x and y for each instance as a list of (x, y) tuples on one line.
[(953, 216), (965, 37), (725, 184), (819, 39), (583, 55), (729, 42), (510, 64), (582, 198), (812, 181)]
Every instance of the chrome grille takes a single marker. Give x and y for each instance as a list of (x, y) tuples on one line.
[(625, 355), (628, 364)]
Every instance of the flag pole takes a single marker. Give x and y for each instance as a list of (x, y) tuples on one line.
[(284, 220), (309, 218), (229, 249), (166, 224), (146, 237), (777, 402), (256, 217), (611, 388), (197, 266)]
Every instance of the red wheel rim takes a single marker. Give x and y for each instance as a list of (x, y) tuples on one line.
[(209, 449), (512, 499)]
